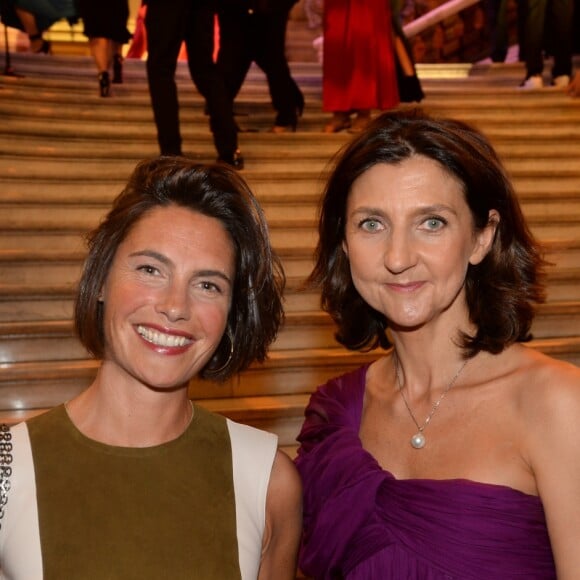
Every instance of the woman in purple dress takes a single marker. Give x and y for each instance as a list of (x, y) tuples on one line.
[(455, 454)]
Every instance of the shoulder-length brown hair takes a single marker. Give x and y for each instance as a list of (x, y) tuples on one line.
[(502, 291), (215, 191)]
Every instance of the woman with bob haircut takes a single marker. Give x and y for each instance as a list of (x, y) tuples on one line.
[(130, 479), (454, 454)]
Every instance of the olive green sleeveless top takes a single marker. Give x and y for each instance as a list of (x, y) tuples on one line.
[(162, 512)]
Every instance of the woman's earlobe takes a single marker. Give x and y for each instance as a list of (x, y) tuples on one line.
[(492, 225), (485, 238)]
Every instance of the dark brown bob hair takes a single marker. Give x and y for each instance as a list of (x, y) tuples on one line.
[(502, 291), (216, 191)]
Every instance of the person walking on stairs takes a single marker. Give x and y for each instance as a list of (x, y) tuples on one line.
[(551, 19), (168, 23), (367, 63), (105, 25), (255, 31), (35, 16)]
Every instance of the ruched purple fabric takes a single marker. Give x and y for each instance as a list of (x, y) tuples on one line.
[(360, 522)]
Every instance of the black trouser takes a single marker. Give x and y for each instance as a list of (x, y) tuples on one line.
[(260, 38), (168, 24), (559, 14)]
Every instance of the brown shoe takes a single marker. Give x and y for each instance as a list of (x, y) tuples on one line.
[(283, 129), (361, 121), (339, 122)]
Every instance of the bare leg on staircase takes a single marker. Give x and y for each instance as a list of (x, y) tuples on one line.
[(37, 43), (102, 50)]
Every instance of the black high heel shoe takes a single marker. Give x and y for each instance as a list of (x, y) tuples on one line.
[(117, 69), (235, 160), (300, 103), (104, 84), (45, 47), (281, 127), (284, 128)]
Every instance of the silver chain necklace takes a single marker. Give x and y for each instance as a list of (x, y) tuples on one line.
[(418, 439)]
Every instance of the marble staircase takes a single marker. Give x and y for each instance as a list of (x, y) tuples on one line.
[(65, 153)]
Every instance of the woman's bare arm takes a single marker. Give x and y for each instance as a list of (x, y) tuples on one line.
[(283, 522), (556, 463)]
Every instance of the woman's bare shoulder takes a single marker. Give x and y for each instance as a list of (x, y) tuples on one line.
[(539, 371), (548, 389)]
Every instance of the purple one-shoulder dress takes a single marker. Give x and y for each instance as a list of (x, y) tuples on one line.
[(360, 522)]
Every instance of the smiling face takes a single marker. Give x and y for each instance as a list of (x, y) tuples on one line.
[(167, 297), (409, 238)]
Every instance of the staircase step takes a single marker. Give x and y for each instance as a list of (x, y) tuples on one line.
[(25, 240), (563, 253), (42, 276), (40, 341), (44, 384), (563, 284), (36, 308), (561, 319)]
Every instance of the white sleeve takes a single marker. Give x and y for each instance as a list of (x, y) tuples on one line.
[(20, 554), (253, 453)]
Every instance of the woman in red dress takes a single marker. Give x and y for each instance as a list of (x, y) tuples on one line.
[(364, 52)]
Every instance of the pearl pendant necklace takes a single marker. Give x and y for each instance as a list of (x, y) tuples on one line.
[(418, 440)]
